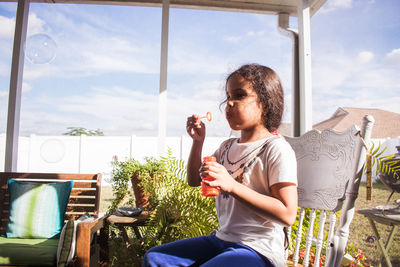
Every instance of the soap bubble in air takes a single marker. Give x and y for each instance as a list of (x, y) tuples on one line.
[(40, 49)]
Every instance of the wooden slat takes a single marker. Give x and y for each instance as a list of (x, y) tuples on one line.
[(78, 184), (80, 209), (76, 214), (66, 176), (73, 202), (83, 194), (81, 205), (84, 191)]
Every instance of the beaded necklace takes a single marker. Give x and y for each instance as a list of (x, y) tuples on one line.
[(249, 162), (245, 156)]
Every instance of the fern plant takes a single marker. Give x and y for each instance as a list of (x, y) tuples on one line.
[(384, 164), (177, 210), (181, 211)]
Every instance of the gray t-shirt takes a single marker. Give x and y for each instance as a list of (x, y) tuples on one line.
[(266, 162)]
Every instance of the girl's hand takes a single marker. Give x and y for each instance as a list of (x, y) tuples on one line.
[(195, 128), (223, 179)]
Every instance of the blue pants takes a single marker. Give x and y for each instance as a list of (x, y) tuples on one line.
[(204, 251)]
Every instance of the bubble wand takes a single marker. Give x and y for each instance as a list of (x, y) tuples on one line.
[(208, 116)]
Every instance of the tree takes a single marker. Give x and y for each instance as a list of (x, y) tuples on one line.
[(78, 131)]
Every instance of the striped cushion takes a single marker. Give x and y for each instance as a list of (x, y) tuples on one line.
[(37, 210), (67, 244)]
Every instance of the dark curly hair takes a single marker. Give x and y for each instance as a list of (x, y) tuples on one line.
[(268, 87)]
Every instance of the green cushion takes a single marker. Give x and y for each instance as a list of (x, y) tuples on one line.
[(37, 210), (18, 251)]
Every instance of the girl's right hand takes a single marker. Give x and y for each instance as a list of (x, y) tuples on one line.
[(195, 128)]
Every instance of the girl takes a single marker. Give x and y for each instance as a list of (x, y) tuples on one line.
[(255, 173)]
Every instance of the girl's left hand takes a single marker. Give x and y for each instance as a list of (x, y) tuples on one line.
[(223, 179)]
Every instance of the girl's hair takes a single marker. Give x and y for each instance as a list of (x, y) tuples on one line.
[(268, 87)]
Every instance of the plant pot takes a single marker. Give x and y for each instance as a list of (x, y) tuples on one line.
[(141, 198)]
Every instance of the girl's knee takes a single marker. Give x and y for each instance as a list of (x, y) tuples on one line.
[(148, 257), (145, 261)]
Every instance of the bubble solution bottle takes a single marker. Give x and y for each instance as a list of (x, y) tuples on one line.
[(206, 190)]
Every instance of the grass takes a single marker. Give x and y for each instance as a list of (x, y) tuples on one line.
[(360, 229), (106, 198)]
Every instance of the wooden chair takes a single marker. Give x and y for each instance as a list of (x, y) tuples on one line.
[(84, 199), (329, 171)]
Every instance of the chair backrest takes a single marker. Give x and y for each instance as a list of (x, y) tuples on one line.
[(84, 198), (329, 171)]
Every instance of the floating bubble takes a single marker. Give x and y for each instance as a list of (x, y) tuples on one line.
[(40, 49)]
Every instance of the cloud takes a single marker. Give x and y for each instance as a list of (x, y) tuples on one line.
[(7, 26), (4, 69), (340, 3), (184, 59), (38, 123), (393, 57), (200, 104), (103, 54), (210, 89), (122, 111), (253, 33), (342, 76), (114, 110), (85, 48), (343, 80), (36, 25), (37, 71), (233, 39), (26, 87), (365, 56), (336, 4), (329, 71), (238, 38), (3, 94)]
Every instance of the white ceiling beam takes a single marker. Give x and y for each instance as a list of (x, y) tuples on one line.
[(253, 6)]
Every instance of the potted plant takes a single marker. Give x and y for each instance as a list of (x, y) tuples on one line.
[(132, 172)]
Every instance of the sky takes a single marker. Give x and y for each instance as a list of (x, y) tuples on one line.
[(100, 68)]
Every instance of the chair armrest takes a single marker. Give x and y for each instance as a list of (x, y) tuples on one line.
[(85, 232), (92, 223)]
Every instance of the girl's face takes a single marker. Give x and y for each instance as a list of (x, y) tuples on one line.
[(243, 110)]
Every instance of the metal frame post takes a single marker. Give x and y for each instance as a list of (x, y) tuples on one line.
[(162, 98), (303, 13), (14, 97)]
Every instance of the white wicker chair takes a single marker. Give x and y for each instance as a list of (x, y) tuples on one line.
[(330, 166)]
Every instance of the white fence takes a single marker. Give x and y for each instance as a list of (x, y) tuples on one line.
[(92, 154)]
